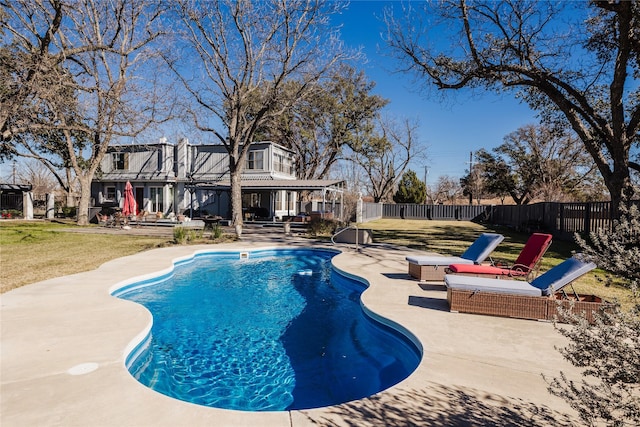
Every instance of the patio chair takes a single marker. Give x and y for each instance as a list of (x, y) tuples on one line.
[(515, 298), (432, 267), (105, 220), (525, 265)]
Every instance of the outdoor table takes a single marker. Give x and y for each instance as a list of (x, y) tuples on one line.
[(210, 221)]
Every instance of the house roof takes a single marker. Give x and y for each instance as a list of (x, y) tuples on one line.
[(16, 188), (276, 184)]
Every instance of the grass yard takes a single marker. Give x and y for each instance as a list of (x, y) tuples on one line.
[(31, 251)]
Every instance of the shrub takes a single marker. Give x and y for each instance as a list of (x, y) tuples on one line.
[(68, 211), (216, 233), (180, 235), (11, 213), (322, 227), (609, 349)]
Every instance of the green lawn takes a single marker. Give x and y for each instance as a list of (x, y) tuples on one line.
[(32, 251)]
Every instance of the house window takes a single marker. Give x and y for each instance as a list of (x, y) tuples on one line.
[(282, 164), (284, 200), (278, 200), (255, 160), (110, 193), (155, 199), (278, 162), (250, 200), (120, 161)]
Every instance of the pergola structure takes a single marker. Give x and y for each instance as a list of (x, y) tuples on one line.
[(12, 197)]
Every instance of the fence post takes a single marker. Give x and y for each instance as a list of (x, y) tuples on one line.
[(587, 218)]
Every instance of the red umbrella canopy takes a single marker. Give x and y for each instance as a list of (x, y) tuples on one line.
[(129, 207)]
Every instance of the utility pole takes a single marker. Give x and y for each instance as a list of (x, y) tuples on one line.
[(471, 177), (426, 191)]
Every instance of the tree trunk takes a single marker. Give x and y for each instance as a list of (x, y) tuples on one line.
[(82, 210), (236, 200), (236, 192), (619, 185)]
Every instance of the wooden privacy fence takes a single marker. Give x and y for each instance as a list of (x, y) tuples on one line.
[(371, 211), (438, 212), (560, 219)]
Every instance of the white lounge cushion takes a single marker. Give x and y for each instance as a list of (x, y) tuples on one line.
[(437, 260), (479, 250), (498, 286)]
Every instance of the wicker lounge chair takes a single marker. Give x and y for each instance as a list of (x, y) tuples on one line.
[(517, 298), (524, 267), (432, 268)]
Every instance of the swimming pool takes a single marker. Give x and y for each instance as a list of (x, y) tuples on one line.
[(265, 330)]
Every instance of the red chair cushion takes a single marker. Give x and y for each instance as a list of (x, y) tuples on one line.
[(534, 249), (482, 269)]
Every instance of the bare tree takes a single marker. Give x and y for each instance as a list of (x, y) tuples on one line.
[(537, 162), (25, 63), (36, 174), (335, 119), (85, 90), (579, 69), (386, 154), (556, 160), (242, 55), (474, 184), (447, 190)]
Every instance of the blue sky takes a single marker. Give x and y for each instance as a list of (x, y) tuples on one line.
[(449, 130)]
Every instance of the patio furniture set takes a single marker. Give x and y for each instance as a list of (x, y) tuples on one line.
[(479, 287)]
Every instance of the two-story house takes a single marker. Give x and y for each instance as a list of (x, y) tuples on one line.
[(193, 179)]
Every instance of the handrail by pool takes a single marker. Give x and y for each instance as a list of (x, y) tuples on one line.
[(354, 227)]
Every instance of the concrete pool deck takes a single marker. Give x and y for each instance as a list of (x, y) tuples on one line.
[(64, 342)]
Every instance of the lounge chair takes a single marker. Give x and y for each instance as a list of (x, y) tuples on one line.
[(105, 220), (524, 266), (517, 298), (432, 267)]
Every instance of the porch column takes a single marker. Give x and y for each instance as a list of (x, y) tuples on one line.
[(27, 204), (324, 202), (51, 206), (272, 199)]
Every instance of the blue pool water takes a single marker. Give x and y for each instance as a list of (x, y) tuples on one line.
[(276, 331)]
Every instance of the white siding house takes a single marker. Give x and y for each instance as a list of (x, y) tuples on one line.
[(193, 179)]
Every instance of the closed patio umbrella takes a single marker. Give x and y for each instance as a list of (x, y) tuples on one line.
[(129, 206)]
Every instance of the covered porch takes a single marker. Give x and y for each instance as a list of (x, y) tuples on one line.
[(269, 200)]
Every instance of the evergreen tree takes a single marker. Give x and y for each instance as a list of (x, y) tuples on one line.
[(410, 189)]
